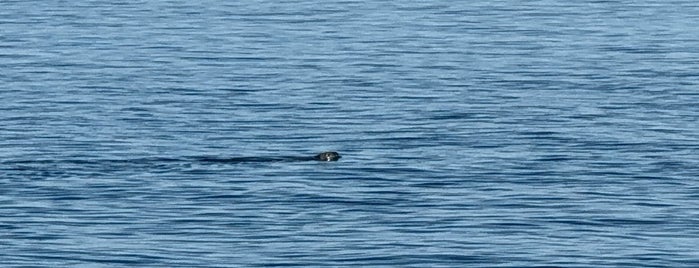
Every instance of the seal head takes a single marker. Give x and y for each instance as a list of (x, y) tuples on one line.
[(327, 156)]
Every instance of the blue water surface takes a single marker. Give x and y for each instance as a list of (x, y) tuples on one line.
[(473, 133)]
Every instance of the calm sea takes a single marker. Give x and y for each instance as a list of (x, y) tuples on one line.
[(473, 133)]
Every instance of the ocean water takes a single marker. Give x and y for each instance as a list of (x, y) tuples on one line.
[(473, 133)]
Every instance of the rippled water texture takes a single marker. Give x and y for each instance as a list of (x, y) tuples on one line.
[(473, 133)]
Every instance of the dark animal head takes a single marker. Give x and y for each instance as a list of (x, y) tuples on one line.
[(327, 156)]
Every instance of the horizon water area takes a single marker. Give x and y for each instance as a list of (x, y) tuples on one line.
[(472, 133)]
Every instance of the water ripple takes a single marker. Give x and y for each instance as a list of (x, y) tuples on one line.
[(493, 135)]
